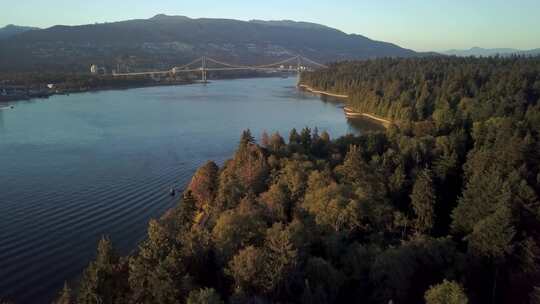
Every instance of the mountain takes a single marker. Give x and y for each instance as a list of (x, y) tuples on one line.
[(481, 52), (533, 52), (11, 30), (162, 41)]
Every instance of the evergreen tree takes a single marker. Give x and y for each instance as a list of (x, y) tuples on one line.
[(354, 167), (280, 260), (305, 139), (204, 184), (330, 205), (447, 292), (294, 137), (276, 142), (156, 273), (236, 229), (492, 236), (246, 268), (246, 138), (65, 296), (423, 200), (277, 202), (325, 136), (204, 296), (187, 210), (100, 282), (265, 140)]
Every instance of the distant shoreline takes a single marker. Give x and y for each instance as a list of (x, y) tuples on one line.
[(6, 99), (312, 90), (349, 113), (44, 94)]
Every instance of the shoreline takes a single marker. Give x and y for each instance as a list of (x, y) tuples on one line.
[(349, 113), (8, 99), (87, 90), (312, 90)]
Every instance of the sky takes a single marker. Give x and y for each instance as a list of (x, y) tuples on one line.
[(421, 25)]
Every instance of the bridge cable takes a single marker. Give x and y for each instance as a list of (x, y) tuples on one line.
[(187, 65), (251, 67), (314, 62)]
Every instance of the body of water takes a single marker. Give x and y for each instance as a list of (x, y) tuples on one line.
[(74, 168)]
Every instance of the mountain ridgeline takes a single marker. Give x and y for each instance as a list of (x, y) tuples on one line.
[(441, 208), (163, 41), (481, 52), (12, 30)]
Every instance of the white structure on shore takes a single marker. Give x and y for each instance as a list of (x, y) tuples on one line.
[(94, 69)]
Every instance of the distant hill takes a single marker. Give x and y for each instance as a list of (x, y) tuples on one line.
[(164, 40), (11, 30), (481, 52)]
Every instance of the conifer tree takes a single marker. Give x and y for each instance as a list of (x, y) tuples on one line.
[(246, 138), (276, 143), (65, 296), (447, 292), (265, 139), (294, 137), (99, 283), (187, 210), (423, 201), (204, 296)]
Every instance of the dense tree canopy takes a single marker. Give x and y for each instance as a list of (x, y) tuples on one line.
[(446, 293), (441, 208), (445, 91)]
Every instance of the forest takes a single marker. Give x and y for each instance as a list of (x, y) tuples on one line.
[(443, 207), (442, 90)]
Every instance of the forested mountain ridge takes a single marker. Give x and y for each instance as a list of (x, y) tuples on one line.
[(482, 52), (168, 40), (12, 30), (442, 209)]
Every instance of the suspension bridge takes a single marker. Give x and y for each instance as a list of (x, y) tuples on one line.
[(207, 64)]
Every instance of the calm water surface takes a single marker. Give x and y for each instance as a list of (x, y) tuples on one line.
[(74, 168)]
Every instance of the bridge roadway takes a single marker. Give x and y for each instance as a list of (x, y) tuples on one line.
[(201, 69), (187, 68)]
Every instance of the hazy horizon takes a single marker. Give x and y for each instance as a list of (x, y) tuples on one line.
[(415, 24)]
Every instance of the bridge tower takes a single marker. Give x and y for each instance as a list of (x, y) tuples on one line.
[(203, 69), (298, 69)]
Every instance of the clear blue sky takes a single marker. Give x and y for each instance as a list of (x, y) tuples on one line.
[(417, 24)]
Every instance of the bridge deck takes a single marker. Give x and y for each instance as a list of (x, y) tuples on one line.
[(229, 67), (200, 70)]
